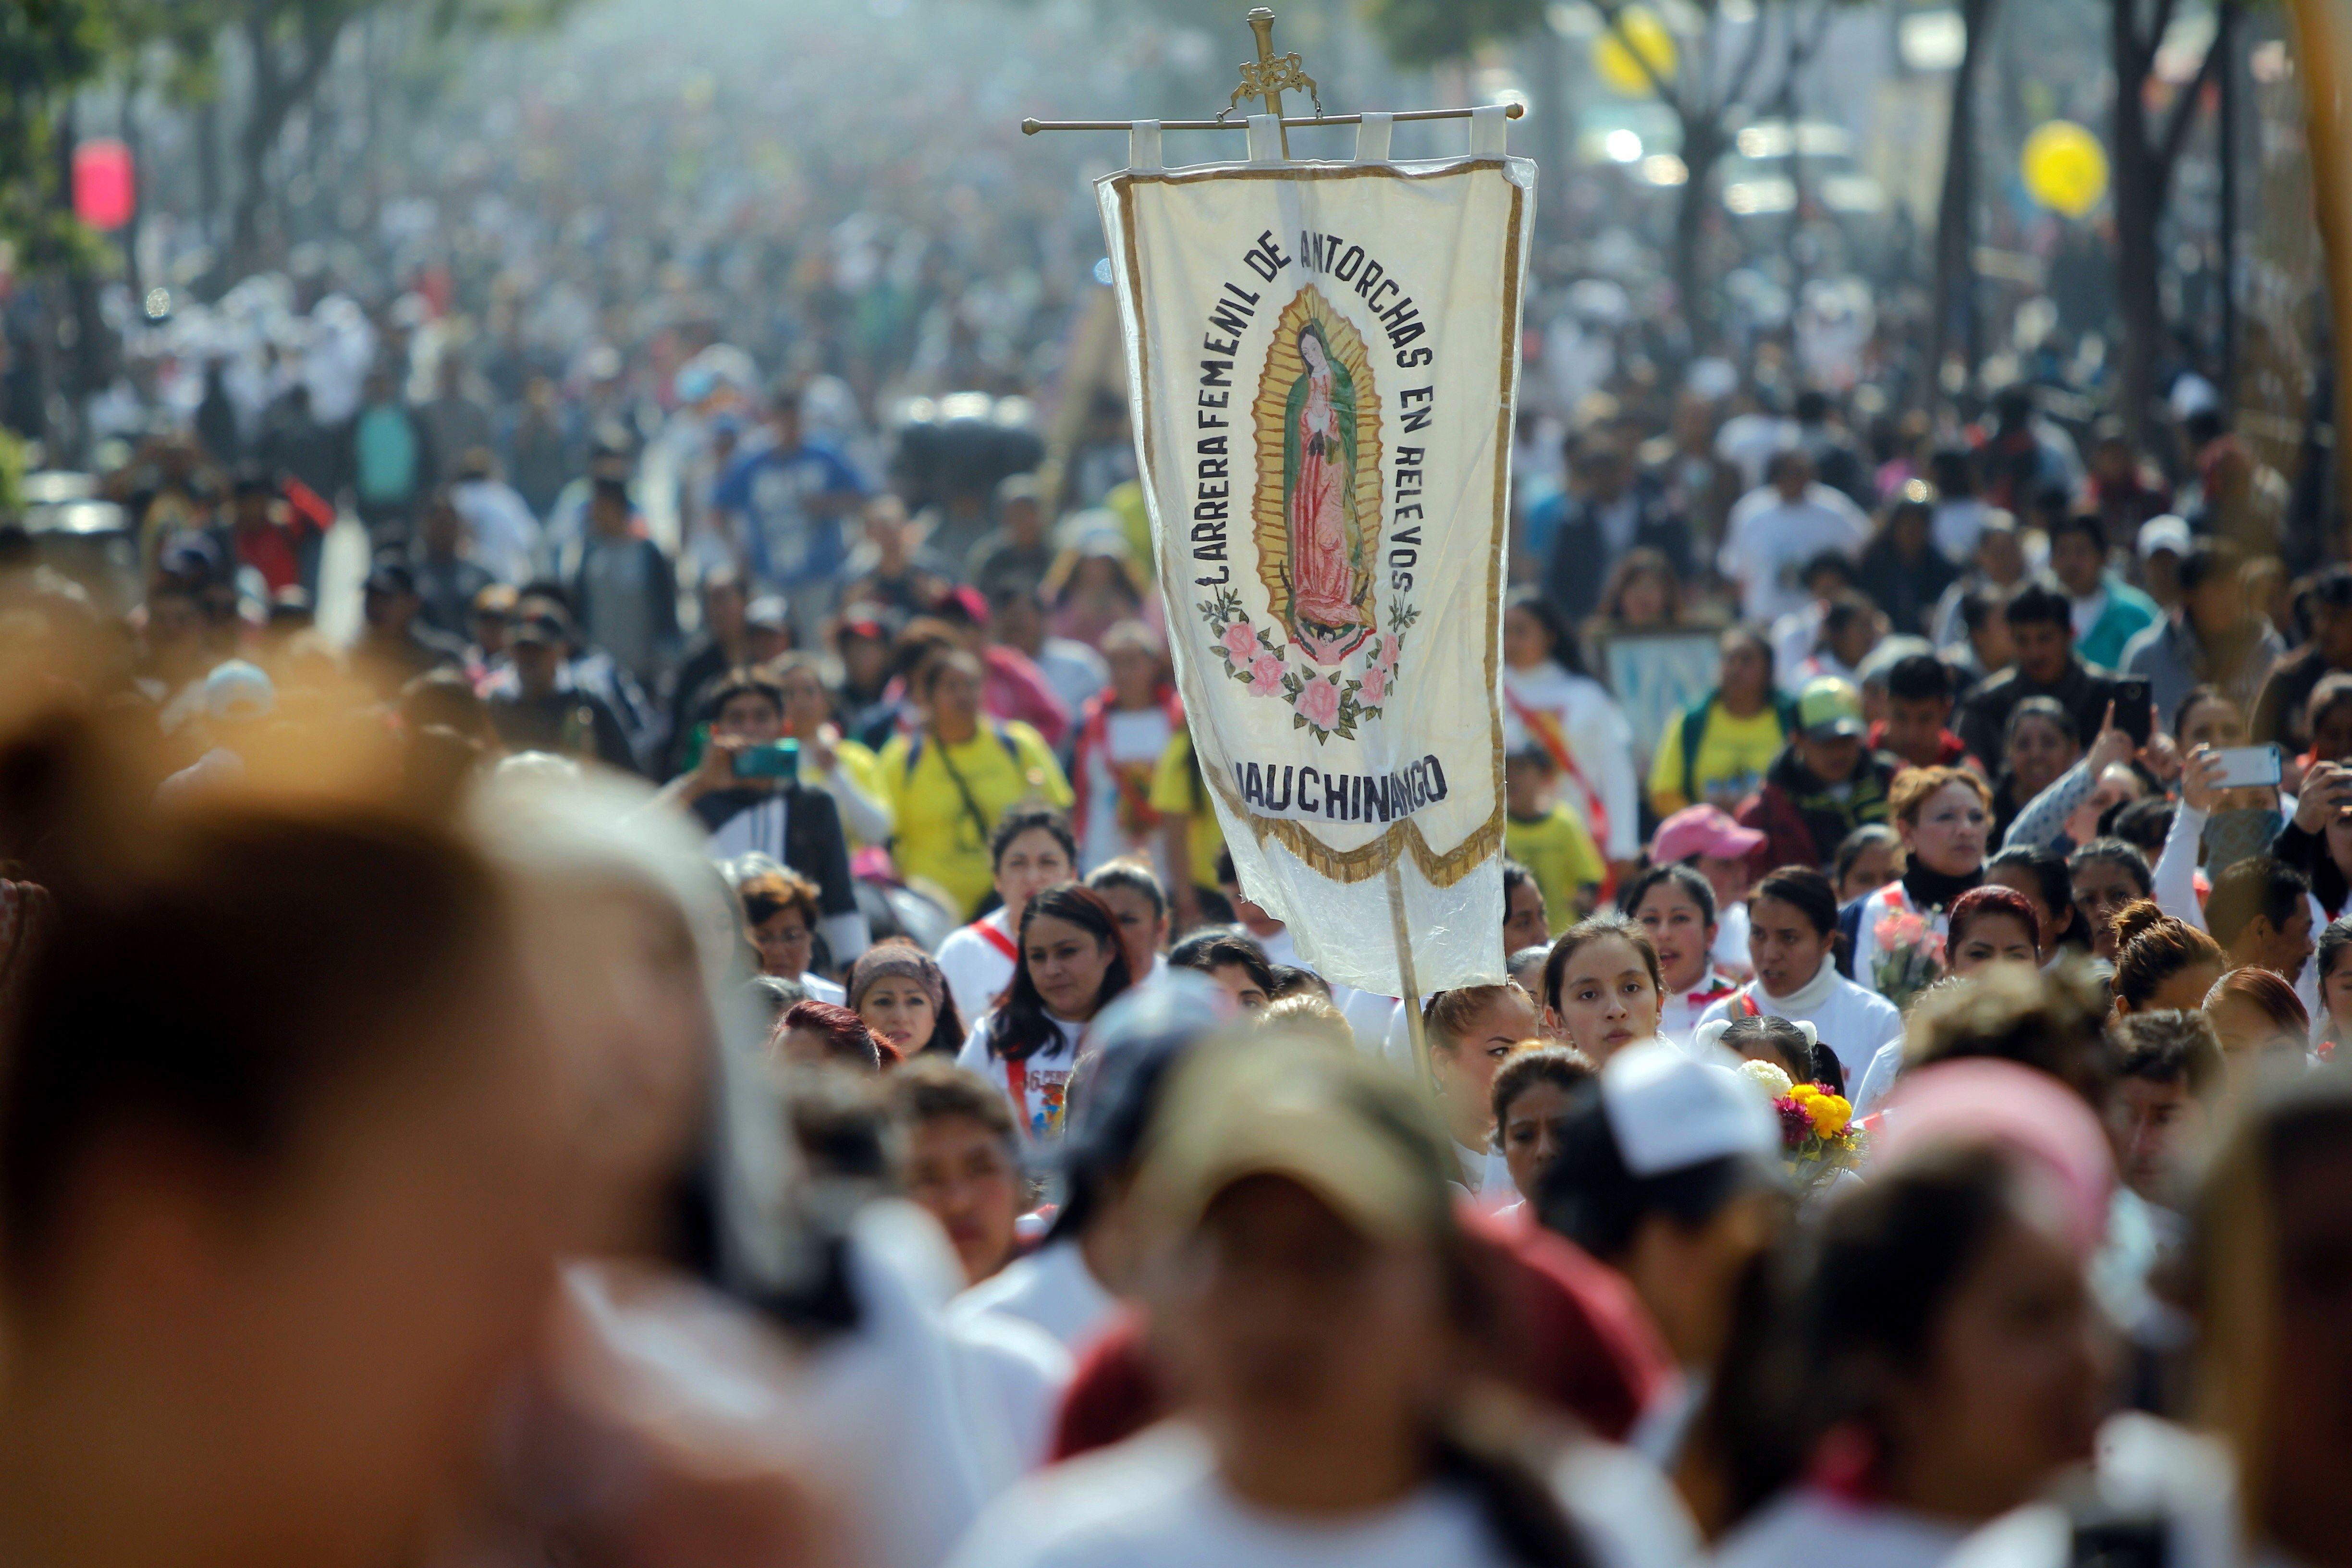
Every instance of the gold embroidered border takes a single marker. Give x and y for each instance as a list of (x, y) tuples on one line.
[(1369, 860)]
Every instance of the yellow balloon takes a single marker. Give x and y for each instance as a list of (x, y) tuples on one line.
[(1620, 66), (2065, 166)]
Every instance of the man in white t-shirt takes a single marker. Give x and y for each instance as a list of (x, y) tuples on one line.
[(1774, 530)]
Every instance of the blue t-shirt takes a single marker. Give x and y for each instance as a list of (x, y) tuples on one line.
[(787, 546)]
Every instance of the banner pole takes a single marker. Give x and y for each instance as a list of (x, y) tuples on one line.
[(1411, 986)]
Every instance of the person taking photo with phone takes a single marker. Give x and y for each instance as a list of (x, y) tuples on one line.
[(746, 793)]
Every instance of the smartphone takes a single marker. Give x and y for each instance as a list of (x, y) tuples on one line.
[(2243, 767), (776, 760), (2118, 1543), (2134, 709)]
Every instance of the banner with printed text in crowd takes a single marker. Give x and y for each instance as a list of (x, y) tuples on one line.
[(1323, 360)]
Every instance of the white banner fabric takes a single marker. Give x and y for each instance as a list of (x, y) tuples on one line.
[(1323, 360)]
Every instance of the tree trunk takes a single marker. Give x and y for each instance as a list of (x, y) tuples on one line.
[(2139, 203), (278, 91), (263, 115), (1955, 297), (1703, 147), (1557, 126)]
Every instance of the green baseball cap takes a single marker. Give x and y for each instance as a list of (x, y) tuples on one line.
[(1830, 709)]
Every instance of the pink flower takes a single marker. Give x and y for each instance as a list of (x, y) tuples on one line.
[(1240, 640), (1319, 701), (1375, 686), (1389, 647), (1265, 675), (1904, 930)]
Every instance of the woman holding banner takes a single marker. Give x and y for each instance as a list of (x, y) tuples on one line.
[(1549, 701)]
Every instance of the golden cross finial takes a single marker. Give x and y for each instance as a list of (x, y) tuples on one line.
[(1268, 76)]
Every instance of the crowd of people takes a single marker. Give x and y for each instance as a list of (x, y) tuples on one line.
[(719, 1028), (864, 1106)]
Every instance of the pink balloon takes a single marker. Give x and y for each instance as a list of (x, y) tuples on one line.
[(105, 190)]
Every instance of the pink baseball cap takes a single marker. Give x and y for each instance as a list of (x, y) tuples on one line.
[(2027, 1114), (1703, 830)]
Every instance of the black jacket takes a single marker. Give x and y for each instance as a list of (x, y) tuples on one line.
[(564, 722), (2307, 853), (2084, 690), (1580, 559), (813, 844)]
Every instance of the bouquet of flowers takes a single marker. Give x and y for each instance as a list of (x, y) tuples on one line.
[(1910, 956), (1818, 1137)]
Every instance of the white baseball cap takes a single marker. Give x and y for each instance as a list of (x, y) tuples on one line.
[(2165, 532), (1669, 1111)]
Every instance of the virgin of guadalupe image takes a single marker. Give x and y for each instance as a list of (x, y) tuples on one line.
[(1328, 583)]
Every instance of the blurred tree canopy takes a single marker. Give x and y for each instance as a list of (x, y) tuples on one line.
[(51, 48), (1710, 88), (1424, 32), (48, 49)]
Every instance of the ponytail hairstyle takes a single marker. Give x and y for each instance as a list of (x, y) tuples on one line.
[(2151, 947), (2268, 993), (1592, 929), (1449, 1012), (1786, 1045), (1021, 1028)]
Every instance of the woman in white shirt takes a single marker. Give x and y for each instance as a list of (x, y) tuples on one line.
[(1944, 1327), (1472, 1029), (1031, 849), (1944, 817), (1677, 906), (1549, 701), (1602, 987), (1306, 1284), (1792, 939), (1072, 965)]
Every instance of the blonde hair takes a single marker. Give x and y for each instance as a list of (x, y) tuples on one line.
[(1309, 1016), (1449, 1012), (1913, 787)]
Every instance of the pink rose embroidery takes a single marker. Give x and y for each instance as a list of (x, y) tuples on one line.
[(1389, 647), (1319, 701), (1240, 640), (1265, 675), (1375, 686)]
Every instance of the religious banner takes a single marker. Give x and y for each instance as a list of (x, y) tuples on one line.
[(1323, 359)]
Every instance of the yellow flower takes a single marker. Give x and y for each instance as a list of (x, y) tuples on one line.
[(1805, 1093), (1830, 1112)]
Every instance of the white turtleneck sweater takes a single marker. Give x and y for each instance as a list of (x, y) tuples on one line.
[(1851, 1021)]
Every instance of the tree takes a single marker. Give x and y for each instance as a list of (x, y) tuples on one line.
[(47, 49), (1954, 328), (2146, 146), (1706, 95), (290, 44)]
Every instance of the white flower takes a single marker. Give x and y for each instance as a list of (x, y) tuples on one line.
[(1774, 1082)]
